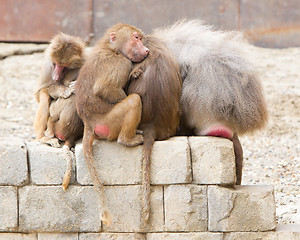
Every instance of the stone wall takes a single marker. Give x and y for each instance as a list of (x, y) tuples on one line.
[(193, 194)]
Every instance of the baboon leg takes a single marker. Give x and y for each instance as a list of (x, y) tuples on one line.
[(131, 120), (121, 122), (42, 114)]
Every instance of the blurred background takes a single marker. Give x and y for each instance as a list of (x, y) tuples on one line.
[(266, 23)]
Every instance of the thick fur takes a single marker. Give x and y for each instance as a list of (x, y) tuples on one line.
[(56, 116), (157, 80), (219, 83), (101, 101)]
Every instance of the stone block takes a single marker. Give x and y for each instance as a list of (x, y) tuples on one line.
[(185, 236), (124, 203), (171, 162), (8, 209), (57, 236), (251, 236), (13, 162), (50, 209), (18, 236), (185, 208), (116, 164), (213, 160), (288, 231), (244, 208), (119, 165), (111, 236), (47, 164)]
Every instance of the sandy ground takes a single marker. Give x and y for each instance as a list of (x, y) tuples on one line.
[(272, 155)]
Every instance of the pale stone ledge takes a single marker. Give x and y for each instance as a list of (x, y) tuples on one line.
[(13, 162), (245, 208), (8, 209), (213, 160)]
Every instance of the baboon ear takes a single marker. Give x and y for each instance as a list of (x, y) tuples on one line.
[(112, 36)]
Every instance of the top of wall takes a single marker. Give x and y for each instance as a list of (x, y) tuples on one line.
[(269, 23)]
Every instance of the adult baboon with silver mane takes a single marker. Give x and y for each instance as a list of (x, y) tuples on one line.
[(221, 95)]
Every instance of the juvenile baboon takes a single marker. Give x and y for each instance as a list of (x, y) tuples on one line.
[(157, 80), (101, 102), (56, 117), (221, 93)]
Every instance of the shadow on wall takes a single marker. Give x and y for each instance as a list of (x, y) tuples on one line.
[(268, 23)]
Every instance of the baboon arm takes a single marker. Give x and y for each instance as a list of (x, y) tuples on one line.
[(109, 93), (60, 91)]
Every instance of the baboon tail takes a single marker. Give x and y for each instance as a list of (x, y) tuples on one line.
[(149, 137), (67, 154), (88, 138)]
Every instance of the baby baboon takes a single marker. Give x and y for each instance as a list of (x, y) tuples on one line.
[(56, 117)]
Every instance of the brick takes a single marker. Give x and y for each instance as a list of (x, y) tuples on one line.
[(251, 236), (124, 203), (213, 160), (116, 164), (185, 236), (170, 162), (288, 231), (47, 164), (185, 208), (18, 236), (57, 236), (111, 236), (121, 165), (8, 209), (50, 209), (13, 162), (245, 208)]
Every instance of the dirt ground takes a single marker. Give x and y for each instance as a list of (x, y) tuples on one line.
[(272, 155)]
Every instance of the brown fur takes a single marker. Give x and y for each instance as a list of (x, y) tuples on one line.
[(157, 80), (56, 116), (101, 101)]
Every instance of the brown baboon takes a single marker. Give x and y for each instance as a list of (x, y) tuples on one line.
[(56, 117), (157, 80), (101, 102), (221, 93)]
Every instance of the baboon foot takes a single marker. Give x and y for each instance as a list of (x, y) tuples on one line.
[(135, 141)]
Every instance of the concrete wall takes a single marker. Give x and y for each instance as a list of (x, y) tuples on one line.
[(267, 23), (193, 194)]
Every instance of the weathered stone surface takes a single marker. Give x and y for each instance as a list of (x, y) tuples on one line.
[(47, 164), (57, 236), (251, 236), (288, 231), (8, 209), (185, 208), (18, 236), (116, 164), (213, 160), (124, 203), (111, 236), (245, 208), (185, 236), (170, 162), (50, 209), (13, 162)]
